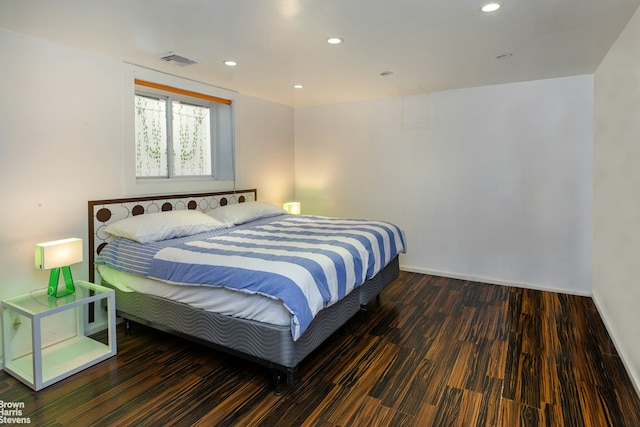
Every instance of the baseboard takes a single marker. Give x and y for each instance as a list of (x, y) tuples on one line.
[(492, 281), (621, 354)]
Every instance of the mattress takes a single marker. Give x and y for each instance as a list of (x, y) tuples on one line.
[(216, 300)]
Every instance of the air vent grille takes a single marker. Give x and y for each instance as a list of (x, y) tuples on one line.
[(178, 59)]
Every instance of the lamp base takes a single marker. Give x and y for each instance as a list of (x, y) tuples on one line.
[(52, 289)]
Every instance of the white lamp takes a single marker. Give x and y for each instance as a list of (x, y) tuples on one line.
[(59, 255), (292, 207)]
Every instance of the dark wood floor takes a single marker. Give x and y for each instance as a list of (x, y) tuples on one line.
[(432, 351)]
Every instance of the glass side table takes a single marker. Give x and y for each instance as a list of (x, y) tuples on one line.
[(44, 338)]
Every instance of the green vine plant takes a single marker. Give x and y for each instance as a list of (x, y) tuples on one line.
[(191, 140), (151, 147)]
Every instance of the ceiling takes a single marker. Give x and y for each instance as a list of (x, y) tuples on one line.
[(428, 45)]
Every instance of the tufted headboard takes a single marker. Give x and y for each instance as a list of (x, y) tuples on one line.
[(105, 212)]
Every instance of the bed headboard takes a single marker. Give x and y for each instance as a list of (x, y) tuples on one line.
[(105, 212)]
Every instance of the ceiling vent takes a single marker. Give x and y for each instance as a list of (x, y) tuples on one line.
[(177, 58)]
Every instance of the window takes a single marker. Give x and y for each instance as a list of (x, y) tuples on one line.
[(176, 132), (162, 159)]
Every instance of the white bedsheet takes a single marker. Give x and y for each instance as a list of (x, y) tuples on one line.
[(217, 300)]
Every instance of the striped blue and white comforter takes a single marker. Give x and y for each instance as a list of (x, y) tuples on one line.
[(306, 262)]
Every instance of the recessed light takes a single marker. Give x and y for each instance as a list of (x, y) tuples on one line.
[(491, 6), (334, 40), (230, 63), (504, 56), (298, 86)]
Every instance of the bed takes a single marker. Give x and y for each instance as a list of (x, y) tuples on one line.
[(209, 305)]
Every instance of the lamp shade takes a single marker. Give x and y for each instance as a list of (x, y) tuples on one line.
[(59, 253), (292, 207)]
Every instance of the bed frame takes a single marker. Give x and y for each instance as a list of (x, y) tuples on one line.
[(266, 344)]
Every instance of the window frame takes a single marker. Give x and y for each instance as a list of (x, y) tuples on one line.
[(190, 89)]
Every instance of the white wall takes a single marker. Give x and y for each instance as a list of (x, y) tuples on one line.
[(60, 133), (61, 144), (265, 149), (492, 183), (616, 189)]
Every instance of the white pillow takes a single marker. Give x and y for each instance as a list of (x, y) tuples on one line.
[(158, 226), (239, 213)]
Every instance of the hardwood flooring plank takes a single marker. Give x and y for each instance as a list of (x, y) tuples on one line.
[(491, 398), (418, 390), (515, 414), (426, 416), (406, 392), (497, 358), (472, 366), (470, 410), (372, 413), (436, 376), (449, 407), (346, 406), (319, 399), (570, 408)]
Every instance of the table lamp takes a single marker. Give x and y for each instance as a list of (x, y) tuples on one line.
[(59, 255)]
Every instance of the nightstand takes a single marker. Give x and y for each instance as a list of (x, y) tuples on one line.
[(44, 338)]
